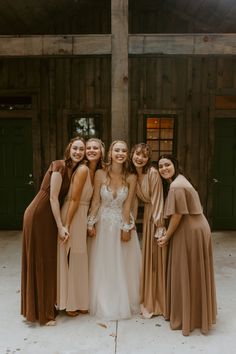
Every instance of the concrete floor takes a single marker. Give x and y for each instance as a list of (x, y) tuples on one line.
[(88, 335)]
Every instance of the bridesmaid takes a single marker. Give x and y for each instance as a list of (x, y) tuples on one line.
[(41, 226), (191, 297), (154, 258), (72, 280)]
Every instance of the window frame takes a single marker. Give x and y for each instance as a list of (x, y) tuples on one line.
[(89, 114), (159, 115)]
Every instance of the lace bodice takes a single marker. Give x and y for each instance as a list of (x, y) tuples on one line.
[(111, 206)]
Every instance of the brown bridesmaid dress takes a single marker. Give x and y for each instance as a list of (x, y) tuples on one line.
[(154, 258), (191, 296), (39, 253)]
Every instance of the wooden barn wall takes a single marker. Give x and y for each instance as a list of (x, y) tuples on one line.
[(183, 85), (55, 17), (61, 86)]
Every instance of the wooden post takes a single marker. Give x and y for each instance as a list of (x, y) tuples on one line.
[(119, 70)]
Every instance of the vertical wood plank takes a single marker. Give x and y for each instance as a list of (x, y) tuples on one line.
[(119, 25)]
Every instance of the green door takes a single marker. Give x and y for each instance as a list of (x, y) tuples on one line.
[(224, 178), (16, 182)]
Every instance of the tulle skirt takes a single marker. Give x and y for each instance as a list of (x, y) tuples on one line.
[(114, 270)]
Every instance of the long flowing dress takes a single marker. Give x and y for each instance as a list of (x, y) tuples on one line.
[(191, 296), (39, 252), (154, 258), (72, 276), (114, 264)]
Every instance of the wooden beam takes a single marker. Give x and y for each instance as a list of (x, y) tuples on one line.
[(183, 44), (166, 44), (119, 71), (55, 45)]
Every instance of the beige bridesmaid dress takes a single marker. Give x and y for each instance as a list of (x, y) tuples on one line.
[(72, 262)]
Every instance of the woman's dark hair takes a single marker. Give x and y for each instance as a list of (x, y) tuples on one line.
[(67, 157), (178, 170), (145, 149)]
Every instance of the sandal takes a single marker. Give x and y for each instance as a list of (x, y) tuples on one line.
[(51, 323), (72, 313), (84, 312)]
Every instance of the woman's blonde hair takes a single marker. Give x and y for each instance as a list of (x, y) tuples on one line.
[(101, 163), (125, 164)]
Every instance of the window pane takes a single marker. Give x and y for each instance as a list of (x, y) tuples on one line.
[(167, 123), (166, 145), (166, 134), (153, 133), (153, 123), (85, 126), (225, 102), (154, 144), (12, 103)]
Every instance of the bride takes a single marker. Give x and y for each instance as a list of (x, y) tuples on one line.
[(115, 255)]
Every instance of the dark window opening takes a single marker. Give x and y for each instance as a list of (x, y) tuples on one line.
[(85, 125), (15, 103)]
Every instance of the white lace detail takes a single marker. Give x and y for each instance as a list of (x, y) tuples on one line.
[(92, 220), (111, 208)]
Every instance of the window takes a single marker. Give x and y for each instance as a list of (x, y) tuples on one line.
[(160, 132), (225, 102), (14, 103), (85, 125)]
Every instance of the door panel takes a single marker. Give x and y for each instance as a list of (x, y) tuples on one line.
[(224, 178), (16, 186)]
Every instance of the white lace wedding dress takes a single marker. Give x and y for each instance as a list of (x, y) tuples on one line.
[(114, 264)]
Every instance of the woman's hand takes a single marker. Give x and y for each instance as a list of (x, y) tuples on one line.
[(63, 234), (125, 236), (174, 223), (91, 232), (163, 241)]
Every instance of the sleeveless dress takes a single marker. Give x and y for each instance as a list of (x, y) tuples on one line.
[(191, 295), (114, 264), (72, 277), (39, 250)]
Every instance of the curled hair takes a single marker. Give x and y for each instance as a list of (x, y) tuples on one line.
[(67, 158), (101, 162), (126, 164), (145, 149)]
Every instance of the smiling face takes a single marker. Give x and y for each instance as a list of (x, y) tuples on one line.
[(140, 158), (119, 152), (77, 151), (166, 169), (93, 150)]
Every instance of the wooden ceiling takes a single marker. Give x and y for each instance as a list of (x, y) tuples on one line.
[(33, 17)]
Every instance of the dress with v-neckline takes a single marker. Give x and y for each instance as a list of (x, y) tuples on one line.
[(117, 190), (114, 268)]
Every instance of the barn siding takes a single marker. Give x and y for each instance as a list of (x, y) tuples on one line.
[(185, 85), (61, 85)]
